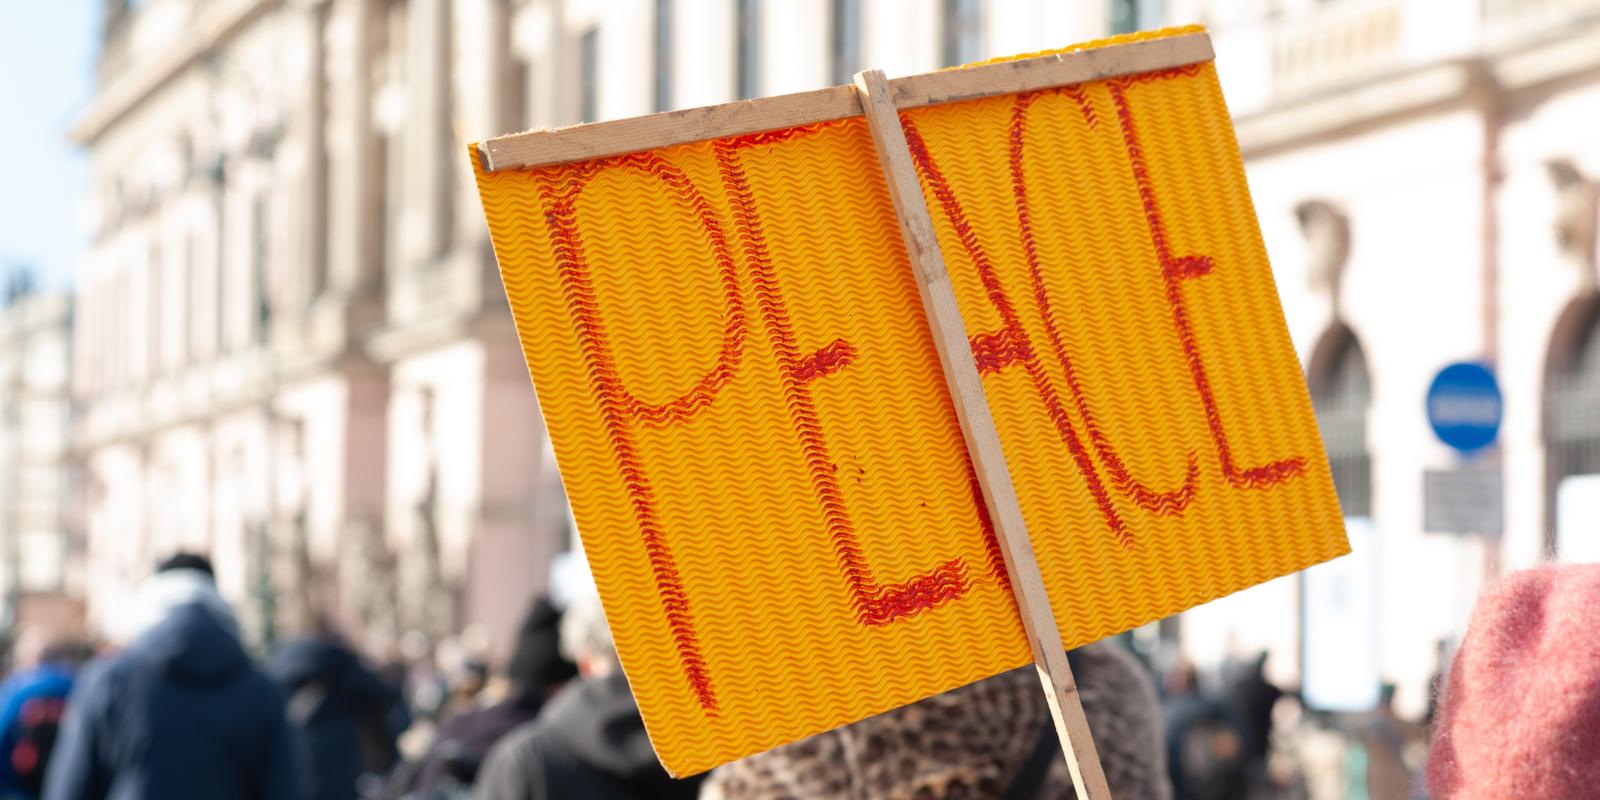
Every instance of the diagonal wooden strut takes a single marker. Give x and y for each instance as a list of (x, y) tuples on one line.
[(983, 441)]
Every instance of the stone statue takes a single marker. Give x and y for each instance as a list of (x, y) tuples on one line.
[(1577, 218), (1327, 233)]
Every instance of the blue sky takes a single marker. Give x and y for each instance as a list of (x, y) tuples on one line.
[(46, 76)]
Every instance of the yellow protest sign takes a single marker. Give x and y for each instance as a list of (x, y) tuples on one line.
[(755, 434)]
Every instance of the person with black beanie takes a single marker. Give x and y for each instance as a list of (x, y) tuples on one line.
[(535, 671)]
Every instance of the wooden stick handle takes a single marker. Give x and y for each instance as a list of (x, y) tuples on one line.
[(983, 441)]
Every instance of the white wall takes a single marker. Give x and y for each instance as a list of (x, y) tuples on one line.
[(1538, 284), (1412, 192)]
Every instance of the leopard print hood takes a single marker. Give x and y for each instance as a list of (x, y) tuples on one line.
[(971, 742)]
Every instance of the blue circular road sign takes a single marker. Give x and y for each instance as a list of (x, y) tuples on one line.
[(1465, 407)]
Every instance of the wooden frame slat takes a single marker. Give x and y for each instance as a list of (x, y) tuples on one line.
[(982, 438), (601, 139)]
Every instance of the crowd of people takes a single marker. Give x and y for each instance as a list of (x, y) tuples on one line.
[(1246, 738), (182, 710)]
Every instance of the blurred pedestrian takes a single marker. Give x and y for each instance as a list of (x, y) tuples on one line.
[(1252, 698), (1442, 652), (589, 741), (426, 684), (339, 711), (990, 739), (466, 687), (535, 671), (32, 702), (180, 714), (1387, 737), (394, 673), (1206, 756), (1520, 714)]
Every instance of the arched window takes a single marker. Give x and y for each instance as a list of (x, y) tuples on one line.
[(1572, 406), (1340, 601), (1341, 390)]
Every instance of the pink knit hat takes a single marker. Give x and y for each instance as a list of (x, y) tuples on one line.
[(1520, 712)]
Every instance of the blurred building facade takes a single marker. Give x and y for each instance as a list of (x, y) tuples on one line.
[(293, 351), (1426, 185), (1427, 192), (292, 346), (41, 585)]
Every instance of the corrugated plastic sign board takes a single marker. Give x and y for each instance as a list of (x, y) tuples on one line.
[(755, 435)]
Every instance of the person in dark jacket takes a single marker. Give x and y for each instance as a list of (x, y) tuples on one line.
[(338, 710), (180, 713), (536, 670), (1253, 697), (1206, 757), (589, 741)]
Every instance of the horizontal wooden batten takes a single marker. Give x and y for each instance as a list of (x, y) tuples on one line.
[(601, 139)]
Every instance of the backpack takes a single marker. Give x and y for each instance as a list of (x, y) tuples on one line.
[(38, 722)]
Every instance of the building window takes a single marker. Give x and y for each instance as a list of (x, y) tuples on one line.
[(194, 344), (663, 55), (747, 29), (589, 75), (260, 266), (845, 40), (518, 110), (157, 322), (963, 32), (389, 68), (1124, 16), (1341, 391), (1572, 413), (1128, 16)]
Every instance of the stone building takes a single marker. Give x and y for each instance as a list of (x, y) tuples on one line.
[(292, 349), (1427, 189), (41, 582)]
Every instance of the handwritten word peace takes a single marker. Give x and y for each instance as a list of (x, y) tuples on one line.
[(875, 601)]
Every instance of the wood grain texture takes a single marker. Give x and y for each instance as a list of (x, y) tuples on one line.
[(616, 137), (982, 440)]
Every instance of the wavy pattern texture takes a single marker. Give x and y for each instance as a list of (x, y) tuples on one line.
[(762, 459)]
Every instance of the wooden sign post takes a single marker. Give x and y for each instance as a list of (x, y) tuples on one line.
[(983, 441), (821, 471)]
